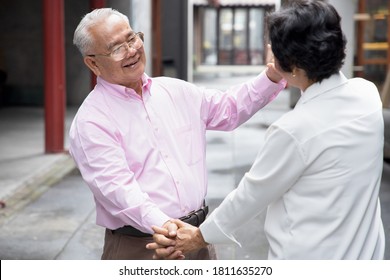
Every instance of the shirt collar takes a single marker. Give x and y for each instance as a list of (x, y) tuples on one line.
[(322, 87), (146, 83), (122, 91)]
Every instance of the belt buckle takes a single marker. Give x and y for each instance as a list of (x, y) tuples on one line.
[(188, 215)]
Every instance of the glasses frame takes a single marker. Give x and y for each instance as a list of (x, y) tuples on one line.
[(140, 35)]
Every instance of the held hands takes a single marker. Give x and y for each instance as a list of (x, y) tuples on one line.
[(175, 239), (164, 242)]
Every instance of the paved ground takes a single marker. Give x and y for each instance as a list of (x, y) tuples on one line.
[(49, 212)]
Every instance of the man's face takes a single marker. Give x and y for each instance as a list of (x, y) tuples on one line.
[(108, 35)]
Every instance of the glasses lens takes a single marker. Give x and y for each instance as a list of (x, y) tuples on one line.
[(137, 43), (121, 52)]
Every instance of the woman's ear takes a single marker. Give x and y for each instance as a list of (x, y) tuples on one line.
[(91, 63), (294, 72)]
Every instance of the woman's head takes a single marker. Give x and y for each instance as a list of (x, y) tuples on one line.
[(306, 34)]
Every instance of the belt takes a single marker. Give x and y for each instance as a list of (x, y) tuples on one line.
[(195, 218)]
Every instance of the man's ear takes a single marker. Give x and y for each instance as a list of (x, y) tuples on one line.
[(91, 63)]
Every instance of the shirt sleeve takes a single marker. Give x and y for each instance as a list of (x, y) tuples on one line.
[(276, 168), (100, 158), (226, 110)]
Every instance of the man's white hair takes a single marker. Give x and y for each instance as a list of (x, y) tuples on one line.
[(82, 37)]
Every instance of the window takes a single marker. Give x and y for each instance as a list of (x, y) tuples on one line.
[(209, 44), (256, 36), (372, 56), (231, 35)]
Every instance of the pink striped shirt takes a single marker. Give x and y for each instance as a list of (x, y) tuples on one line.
[(144, 158)]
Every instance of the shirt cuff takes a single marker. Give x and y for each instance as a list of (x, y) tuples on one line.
[(282, 83), (213, 234), (267, 89), (154, 218)]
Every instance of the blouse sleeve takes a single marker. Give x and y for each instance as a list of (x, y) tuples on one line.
[(276, 168)]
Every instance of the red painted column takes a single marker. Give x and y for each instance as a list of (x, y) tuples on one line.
[(54, 75), (95, 4)]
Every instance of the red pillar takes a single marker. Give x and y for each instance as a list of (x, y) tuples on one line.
[(55, 82), (95, 4), (156, 39)]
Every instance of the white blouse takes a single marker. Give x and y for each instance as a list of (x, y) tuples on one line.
[(319, 173)]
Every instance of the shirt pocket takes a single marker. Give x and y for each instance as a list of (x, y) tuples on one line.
[(189, 144)]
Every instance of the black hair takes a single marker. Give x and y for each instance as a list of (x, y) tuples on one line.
[(307, 34)]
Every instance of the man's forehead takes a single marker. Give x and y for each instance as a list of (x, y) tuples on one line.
[(113, 30)]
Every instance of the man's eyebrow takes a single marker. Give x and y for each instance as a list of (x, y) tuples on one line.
[(117, 42)]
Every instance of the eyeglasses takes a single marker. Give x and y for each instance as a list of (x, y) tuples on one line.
[(121, 51)]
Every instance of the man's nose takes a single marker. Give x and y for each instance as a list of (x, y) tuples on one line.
[(131, 51)]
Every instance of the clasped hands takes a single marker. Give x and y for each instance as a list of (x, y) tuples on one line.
[(175, 239)]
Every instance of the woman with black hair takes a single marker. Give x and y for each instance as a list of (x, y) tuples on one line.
[(319, 171)]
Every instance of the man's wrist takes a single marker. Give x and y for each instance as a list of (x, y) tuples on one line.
[(199, 237), (272, 74)]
